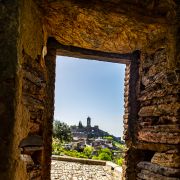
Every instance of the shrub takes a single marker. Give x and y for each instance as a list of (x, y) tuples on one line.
[(56, 147), (88, 151), (107, 151), (95, 157), (120, 161), (104, 156)]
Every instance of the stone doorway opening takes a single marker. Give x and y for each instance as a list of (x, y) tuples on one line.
[(88, 87), (131, 60)]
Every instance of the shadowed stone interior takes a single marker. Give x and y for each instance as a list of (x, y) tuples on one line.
[(144, 35)]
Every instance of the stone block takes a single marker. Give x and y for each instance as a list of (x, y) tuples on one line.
[(167, 159), (158, 169), (148, 175), (159, 137), (159, 110), (163, 128), (34, 127), (172, 78)]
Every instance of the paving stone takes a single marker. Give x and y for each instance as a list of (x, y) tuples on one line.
[(61, 170)]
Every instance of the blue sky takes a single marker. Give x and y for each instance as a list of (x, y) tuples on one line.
[(90, 88)]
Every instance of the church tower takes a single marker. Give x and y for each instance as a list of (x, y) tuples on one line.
[(88, 122), (80, 125)]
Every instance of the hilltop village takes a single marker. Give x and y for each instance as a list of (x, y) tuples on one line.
[(88, 131), (92, 136)]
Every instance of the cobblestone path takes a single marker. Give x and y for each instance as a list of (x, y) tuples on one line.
[(61, 170)]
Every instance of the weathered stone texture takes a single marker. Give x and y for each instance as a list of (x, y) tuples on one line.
[(30, 84), (159, 100), (152, 109), (118, 26), (167, 159), (63, 170), (8, 88), (126, 101), (158, 122), (50, 62), (162, 170), (148, 175)]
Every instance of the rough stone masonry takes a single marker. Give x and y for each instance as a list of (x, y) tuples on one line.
[(142, 34)]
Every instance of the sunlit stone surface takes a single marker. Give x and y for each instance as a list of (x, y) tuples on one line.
[(61, 170)]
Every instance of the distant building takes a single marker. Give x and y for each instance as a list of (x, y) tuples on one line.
[(87, 131), (80, 124), (88, 122)]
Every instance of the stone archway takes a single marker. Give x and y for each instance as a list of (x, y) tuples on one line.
[(108, 27)]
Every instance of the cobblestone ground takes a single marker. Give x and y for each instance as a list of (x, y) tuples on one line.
[(61, 170)]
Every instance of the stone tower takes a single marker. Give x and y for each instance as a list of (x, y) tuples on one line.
[(88, 122), (80, 124)]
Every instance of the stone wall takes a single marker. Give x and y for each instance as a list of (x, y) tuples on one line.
[(158, 123), (50, 62), (27, 80), (32, 82), (22, 92), (37, 98), (131, 106), (153, 135), (8, 88), (151, 120)]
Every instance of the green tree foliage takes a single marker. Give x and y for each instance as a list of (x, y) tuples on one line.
[(95, 157), (62, 131), (56, 146), (62, 134), (120, 146), (88, 151), (106, 150), (110, 138), (74, 153), (104, 156), (120, 161)]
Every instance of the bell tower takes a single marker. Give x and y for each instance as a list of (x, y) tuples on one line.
[(88, 122)]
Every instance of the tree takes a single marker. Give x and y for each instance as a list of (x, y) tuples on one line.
[(62, 131), (106, 150), (104, 156), (110, 138), (88, 151)]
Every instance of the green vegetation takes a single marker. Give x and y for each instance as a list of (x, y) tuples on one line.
[(88, 152), (104, 154), (110, 138), (62, 131), (56, 146), (119, 145), (57, 149), (120, 161), (62, 135)]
